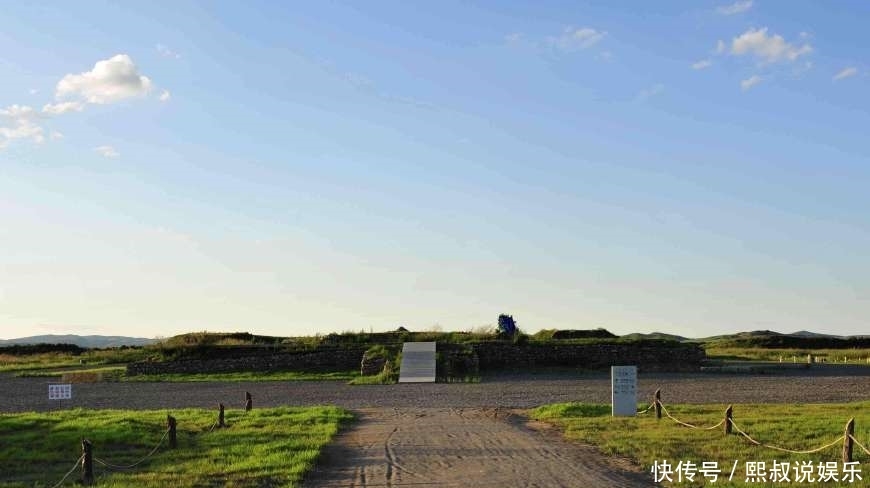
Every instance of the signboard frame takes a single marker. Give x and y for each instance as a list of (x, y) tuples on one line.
[(623, 391)]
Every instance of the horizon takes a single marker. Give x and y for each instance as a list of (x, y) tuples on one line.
[(305, 169)]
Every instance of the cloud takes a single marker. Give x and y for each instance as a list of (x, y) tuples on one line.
[(111, 80), (165, 96), (577, 39), (702, 64), (166, 52), (650, 92), (737, 7), (62, 108), (33, 91), (769, 49), (750, 82), (845, 73), (513, 37), (107, 151), (17, 122), (55, 135), (720, 46), (605, 56)]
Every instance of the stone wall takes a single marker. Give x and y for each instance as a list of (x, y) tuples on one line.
[(457, 360), (344, 359), (647, 355)]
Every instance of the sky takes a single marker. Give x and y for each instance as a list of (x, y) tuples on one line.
[(294, 168)]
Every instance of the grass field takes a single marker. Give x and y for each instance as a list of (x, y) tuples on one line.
[(647, 440), (262, 448), (851, 356)]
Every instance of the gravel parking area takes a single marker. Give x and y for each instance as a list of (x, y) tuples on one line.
[(826, 384)]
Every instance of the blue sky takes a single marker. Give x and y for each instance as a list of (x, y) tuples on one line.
[(689, 167)]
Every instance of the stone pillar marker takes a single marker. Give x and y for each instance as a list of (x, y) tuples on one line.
[(623, 390)]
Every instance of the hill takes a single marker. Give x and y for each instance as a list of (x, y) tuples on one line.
[(90, 341)]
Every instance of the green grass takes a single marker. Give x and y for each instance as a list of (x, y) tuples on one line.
[(109, 373), (853, 356), (262, 448), (645, 439)]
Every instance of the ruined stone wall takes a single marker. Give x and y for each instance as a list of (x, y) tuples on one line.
[(647, 355), (457, 360), (344, 359)]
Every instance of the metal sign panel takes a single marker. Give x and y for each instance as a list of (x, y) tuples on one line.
[(623, 382), (59, 392), (418, 363)]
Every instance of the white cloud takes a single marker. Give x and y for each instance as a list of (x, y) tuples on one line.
[(577, 39), (62, 108), (17, 122), (55, 135), (165, 96), (107, 151), (166, 52), (737, 7), (720, 46), (605, 56), (846, 72), (702, 64), (111, 80), (769, 49), (19, 112), (650, 92), (33, 91), (513, 37), (750, 82)]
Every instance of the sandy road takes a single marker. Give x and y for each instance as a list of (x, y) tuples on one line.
[(480, 447)]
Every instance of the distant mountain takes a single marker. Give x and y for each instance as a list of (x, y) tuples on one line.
[(91, 341)]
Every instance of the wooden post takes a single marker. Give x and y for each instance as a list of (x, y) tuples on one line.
[(221, 415), (847, 442), (249, 402), (87, 463), (729, 414), (658, 402), (173, 439)]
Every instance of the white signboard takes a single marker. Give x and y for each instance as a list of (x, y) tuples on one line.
[(59, 392), (418, 363), (623, 383)]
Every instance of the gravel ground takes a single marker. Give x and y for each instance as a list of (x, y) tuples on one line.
[(820, 384)]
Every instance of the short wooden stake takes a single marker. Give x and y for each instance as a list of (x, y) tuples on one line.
[(173, 438), (249, 402), (658, 403), (847, 442), (221, 415), (87, 463), (729, 414)]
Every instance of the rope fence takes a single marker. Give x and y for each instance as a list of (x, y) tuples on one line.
[(87, 459), (137, 463), (848, 439), (76, 465), (859, 445)]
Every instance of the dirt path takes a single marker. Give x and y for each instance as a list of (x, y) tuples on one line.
[(480, 447)]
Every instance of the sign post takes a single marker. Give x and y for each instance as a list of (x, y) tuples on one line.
[(623, 383), (59, 392)]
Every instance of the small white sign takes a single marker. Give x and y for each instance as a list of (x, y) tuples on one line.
[(59, 392), (623, 382)]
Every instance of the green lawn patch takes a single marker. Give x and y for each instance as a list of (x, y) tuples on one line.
[(647, 440), (263, 448)]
